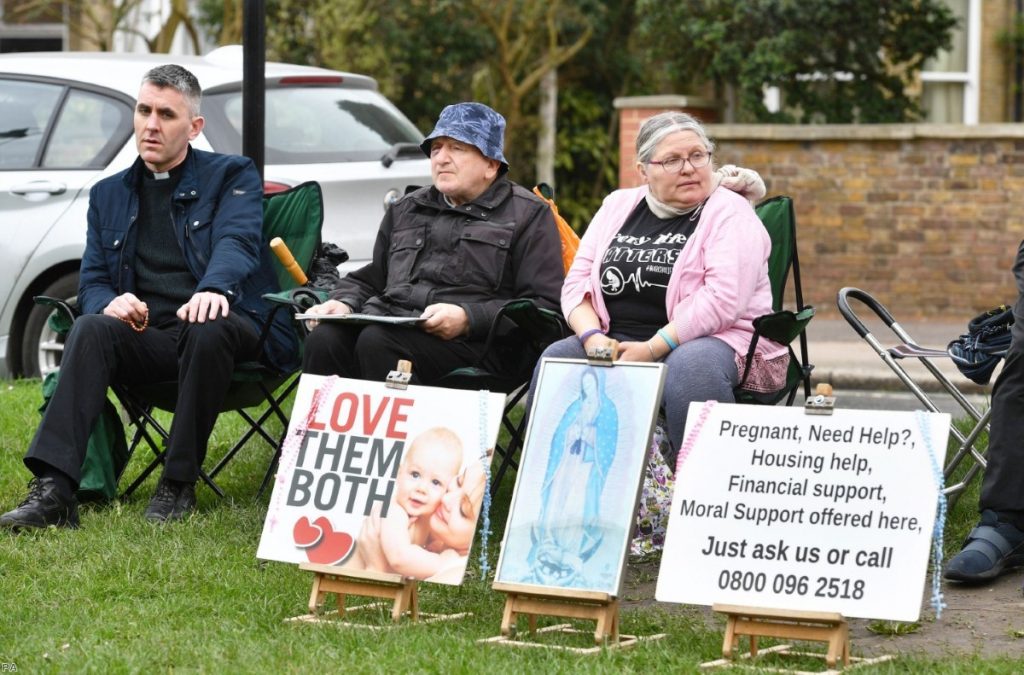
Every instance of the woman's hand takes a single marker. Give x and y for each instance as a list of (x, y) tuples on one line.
[(597, 341), (635, 351)]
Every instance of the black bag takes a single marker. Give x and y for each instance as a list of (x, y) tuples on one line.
[(323, 272), (977, 352)]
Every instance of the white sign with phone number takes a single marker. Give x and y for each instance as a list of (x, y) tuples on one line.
[(780, 509)]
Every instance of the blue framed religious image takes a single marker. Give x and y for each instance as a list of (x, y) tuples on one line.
[(579, 477)]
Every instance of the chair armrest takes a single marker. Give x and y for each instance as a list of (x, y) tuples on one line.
[(783, 326), (300, 299), (64, 313), (541, 325), (538, 327)]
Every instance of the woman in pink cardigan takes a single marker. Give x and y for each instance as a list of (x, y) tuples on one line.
[(676, 271)]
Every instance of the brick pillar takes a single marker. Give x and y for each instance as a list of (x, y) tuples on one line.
[(633, 110)]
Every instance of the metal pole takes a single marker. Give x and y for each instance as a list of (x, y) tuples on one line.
[(254, 54)]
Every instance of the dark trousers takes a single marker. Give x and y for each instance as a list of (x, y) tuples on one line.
[(101, 351), (1003, 487), (371, 352)]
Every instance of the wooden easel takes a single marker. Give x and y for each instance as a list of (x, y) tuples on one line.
[(329, 579), (576, 604), (755, 622)]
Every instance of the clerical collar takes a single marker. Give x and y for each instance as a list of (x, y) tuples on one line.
[(165, 175)]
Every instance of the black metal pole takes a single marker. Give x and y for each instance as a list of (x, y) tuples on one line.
[(254, 55)]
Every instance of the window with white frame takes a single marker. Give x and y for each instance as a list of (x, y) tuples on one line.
[(950, 80)]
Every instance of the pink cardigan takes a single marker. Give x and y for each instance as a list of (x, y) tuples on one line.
[(719, 283)]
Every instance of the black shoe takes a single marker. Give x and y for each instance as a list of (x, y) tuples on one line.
[(43, 507), (171, 501), (992, 548)]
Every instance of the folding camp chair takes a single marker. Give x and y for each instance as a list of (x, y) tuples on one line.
[(782, 325), (908, 348), (296, 216)]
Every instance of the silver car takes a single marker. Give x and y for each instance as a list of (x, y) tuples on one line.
[(66, 123)]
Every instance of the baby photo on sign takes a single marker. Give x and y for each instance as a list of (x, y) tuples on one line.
[(579, 478), (382, 480)]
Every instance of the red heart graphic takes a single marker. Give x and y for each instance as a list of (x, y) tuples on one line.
[(333, 549), (306, 535)]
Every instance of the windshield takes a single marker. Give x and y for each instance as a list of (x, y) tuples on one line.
[(307, 125)]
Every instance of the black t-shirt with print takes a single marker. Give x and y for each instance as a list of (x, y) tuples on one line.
[(636, 269)]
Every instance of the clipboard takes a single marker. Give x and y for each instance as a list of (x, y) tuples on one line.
[(362, 319)]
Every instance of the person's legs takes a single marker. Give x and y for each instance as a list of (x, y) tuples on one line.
[(996, 544), (207, 353), (379, 348), (1002, 489), (567, 348), (699, 370), (329, 349), (99, 350)]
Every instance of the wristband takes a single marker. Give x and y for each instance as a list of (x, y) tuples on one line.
[(589, 332), (663, 334), (651, 350)]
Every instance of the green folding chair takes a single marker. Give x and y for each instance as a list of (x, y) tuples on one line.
[(784, 326)]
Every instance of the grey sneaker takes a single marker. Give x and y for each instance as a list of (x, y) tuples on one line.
[(171, 501), (44, 506)]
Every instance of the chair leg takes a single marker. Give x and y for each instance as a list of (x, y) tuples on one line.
[(143, 419), (516, 433), (274, 407)]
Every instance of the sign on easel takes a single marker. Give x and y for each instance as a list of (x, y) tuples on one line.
[(776, 508), (376, 480), (576, 491), (578, 481)]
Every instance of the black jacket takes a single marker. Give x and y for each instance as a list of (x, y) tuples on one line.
[(502, 245)]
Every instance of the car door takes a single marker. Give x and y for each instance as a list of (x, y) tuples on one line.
[(56, 139)]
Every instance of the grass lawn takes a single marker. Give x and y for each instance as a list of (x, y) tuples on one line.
[(122, 595)]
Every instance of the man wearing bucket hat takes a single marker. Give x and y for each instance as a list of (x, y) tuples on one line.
[(450, 254)]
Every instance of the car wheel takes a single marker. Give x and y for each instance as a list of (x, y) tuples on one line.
[(41, 346)]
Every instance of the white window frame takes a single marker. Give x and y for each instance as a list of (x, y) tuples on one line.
[(971, 78)]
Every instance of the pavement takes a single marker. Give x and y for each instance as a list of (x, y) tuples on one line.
[(860, 378)]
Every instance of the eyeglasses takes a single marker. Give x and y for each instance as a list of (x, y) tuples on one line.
[(698, 160)]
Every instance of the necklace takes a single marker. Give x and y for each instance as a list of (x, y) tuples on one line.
[(134, 326)]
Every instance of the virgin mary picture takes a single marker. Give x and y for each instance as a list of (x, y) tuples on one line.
[(578, 481)]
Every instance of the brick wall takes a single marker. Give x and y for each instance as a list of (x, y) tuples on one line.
[(927, 218)]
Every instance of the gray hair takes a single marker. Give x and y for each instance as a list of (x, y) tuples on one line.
[(179, 79), (654, 130)]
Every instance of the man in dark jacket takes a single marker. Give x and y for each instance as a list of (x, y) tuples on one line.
[(171, 284), (451, 255)]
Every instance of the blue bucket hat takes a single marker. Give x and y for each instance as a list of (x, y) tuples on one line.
[(472, 123)]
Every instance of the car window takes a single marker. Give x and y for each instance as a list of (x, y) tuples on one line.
[(25, 111), (90, 131), (308, 125)]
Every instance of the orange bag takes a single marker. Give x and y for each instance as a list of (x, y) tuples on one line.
[(570, 240)]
